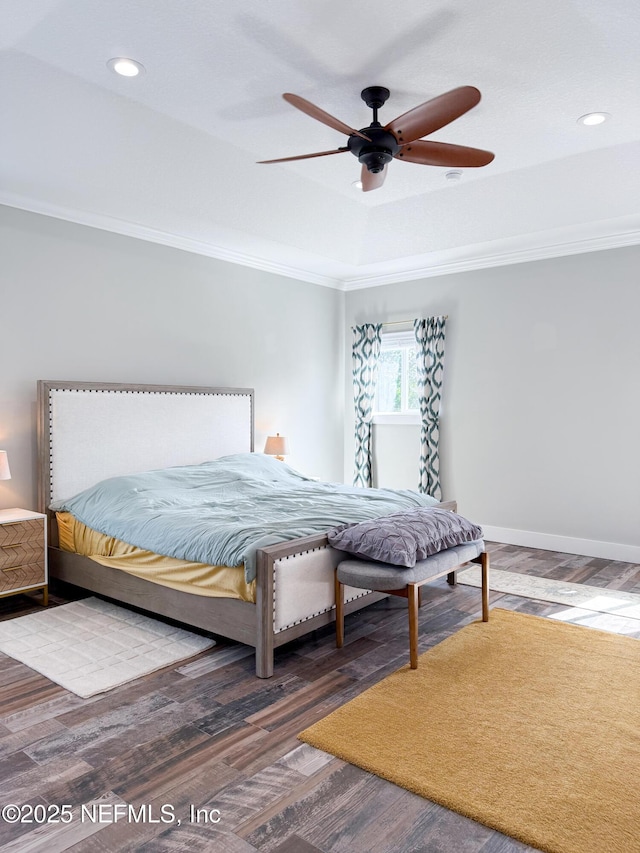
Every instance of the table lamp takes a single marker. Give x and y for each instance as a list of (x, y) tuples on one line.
[(276, 445), (5, 473)]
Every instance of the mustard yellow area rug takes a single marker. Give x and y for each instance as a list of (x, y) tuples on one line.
[(527, 725)]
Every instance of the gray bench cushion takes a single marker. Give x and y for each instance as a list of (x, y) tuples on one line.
[(363, 574)]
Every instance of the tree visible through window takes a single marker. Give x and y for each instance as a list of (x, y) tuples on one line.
[(397, 388)]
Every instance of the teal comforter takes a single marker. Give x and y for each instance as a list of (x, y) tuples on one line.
[(221, 512)]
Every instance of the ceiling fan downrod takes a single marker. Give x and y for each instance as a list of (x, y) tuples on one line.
[(375, 97)]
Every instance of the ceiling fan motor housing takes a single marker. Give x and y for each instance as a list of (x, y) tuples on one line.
[(377, 153)]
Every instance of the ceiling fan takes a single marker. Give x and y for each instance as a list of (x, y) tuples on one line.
[(375, 146)]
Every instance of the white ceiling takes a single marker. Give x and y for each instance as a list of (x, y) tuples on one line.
[(170, 156)]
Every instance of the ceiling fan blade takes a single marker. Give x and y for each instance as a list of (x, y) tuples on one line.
[(372, 180), (441, 154), (434, 114), (320, 115), (304, 156)]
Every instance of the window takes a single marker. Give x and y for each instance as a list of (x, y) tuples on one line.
[(397, 388)]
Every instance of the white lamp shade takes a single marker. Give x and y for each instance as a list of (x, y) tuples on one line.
[(276, 445), (5, 473)]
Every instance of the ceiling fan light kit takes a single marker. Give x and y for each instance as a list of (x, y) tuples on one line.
[(401, 139)]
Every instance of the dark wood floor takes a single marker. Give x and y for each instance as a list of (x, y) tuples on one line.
[(207, 733)]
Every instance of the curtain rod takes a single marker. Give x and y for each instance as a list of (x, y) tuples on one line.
[(405, 322)]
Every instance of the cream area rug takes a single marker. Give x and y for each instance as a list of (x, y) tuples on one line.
[(528, 725), (613, 601), (91, 646)]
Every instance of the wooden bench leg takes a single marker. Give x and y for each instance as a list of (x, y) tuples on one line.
[(339, 588), (484, 563), (413, 597), (483, 559)]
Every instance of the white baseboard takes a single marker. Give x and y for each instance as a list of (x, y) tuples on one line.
[(565, 544)]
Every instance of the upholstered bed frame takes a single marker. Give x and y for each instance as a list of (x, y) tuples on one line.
[(90, 431)]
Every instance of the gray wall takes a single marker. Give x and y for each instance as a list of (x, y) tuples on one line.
[(83, 304), (541, 407)]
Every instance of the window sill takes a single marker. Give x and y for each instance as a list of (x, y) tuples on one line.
[(398, 419)]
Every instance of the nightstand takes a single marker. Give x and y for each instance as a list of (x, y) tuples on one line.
[(23, 552)]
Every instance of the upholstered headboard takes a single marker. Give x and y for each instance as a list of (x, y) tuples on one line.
[(90, 431)]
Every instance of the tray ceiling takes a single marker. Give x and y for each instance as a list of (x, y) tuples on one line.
[(170, 156)]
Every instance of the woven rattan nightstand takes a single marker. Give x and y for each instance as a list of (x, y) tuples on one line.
[(23, 552)]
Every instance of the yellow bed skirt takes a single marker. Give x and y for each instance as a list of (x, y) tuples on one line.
[(195, 578)]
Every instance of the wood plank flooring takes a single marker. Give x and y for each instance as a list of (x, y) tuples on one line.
[(208, 744)]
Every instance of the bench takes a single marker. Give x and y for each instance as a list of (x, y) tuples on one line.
[(406, 582)]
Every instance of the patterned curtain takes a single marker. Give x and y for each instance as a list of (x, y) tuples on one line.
[(364, 356), (430, 355)]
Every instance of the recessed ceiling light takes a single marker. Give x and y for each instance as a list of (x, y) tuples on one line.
[(125, 67), (453, 175), (591, 119), (356, 185)]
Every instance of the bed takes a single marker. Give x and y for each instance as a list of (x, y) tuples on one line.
[(90, 432)]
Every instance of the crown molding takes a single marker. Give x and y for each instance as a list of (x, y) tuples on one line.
[(483, 260), (446, 262), (174, 241)]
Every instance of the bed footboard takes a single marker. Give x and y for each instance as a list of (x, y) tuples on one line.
[(295, 594)]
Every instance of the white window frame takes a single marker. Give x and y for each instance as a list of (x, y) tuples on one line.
[(399, 340)]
